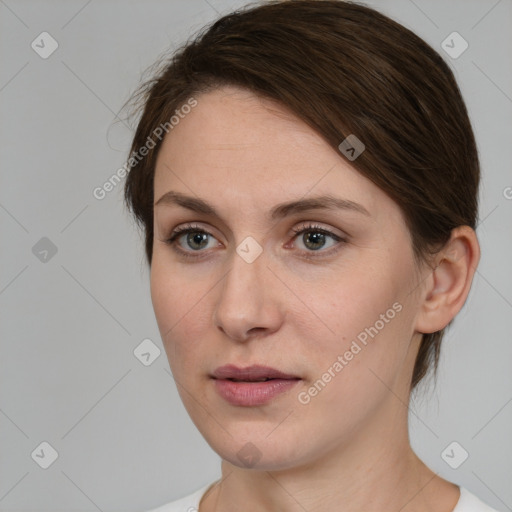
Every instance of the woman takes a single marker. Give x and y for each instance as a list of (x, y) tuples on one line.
[(307, 179)]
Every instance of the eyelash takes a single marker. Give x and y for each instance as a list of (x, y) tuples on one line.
[(305, 228)]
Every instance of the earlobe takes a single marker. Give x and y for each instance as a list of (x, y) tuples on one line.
[(448, 286)]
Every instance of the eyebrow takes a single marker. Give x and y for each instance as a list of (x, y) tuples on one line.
[(323, 202)]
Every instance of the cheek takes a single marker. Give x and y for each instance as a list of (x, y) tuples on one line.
[(182, 312), (362, 317), (163, 297), (348, 302), (351, 373)]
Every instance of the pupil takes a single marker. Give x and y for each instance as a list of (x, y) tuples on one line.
[(196, 238), (318, 238)]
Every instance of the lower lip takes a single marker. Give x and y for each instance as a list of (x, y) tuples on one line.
[(252, 393)]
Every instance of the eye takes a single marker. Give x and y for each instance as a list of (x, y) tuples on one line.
[(196, 238), (314, 238)]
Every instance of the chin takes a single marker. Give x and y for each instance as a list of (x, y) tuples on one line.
[(258, 453)]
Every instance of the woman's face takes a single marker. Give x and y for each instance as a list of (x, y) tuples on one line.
[(334, 307)]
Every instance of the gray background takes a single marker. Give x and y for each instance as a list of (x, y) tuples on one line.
[(69, 325)]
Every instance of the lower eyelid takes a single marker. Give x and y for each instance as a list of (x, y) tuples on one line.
[(340, 241)]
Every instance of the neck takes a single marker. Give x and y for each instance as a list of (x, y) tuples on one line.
[(376, 471)]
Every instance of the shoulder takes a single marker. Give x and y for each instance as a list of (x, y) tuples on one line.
[(468, 502), (188, 503)]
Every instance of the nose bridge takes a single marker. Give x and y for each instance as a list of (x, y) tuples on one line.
[(245, 301), (247, 269)]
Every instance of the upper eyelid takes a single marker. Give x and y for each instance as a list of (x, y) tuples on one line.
[(307, 226), (303, 227)]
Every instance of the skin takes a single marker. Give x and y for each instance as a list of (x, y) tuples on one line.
[(349, 445)]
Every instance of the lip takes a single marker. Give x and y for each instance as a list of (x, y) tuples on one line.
[(250, 373), (249, 393)]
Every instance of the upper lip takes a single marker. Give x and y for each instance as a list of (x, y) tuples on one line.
[(249, 373)]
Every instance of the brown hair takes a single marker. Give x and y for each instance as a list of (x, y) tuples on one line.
[(343, 68)]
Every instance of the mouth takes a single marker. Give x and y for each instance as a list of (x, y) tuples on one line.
[(252, 386), (248, 380), (254, 373)]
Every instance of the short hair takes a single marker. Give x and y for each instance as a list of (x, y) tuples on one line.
[(344, 69)]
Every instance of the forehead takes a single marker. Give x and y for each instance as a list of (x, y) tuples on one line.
[(235, 134), (241, 151), (232, 126)]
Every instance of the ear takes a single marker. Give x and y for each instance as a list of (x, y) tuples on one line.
[(447, 288)]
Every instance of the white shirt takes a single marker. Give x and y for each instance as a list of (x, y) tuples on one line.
[(468, 502)]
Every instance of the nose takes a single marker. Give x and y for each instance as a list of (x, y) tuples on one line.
[(248, 303)]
